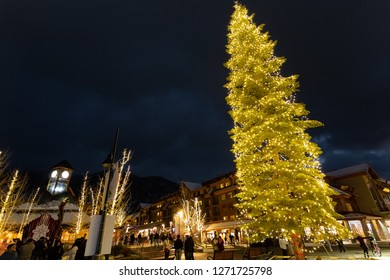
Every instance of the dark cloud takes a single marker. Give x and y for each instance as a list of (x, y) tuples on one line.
[(71, 72)]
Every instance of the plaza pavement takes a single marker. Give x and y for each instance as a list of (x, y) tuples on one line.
[(353, 252)]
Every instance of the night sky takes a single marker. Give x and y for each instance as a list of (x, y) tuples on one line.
[(71, 72)]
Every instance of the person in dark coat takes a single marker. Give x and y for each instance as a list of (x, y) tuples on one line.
[(178, 246), (81, 244), (132, 239), (340, 243), (221, 246), (189, 248), (214, 242), (56, 251), (40, 251), (10, 254), (19, 244), (363, 245)]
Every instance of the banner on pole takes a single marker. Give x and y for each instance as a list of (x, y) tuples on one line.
[(94, 233)]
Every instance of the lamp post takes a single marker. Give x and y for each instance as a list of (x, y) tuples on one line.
[(108, 163)]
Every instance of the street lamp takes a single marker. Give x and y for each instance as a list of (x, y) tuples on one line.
[(102, 225), (107, 165)]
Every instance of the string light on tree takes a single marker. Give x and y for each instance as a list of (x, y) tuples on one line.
[(82, 201), (278, 169)]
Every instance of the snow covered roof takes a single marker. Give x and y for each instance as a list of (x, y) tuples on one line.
[(340, 191), (51, 205), (358, 215), (70, 217), (52, 208), (359, 168), (192, 186), (144, 205)]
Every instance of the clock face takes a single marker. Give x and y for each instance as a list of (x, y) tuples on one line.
[(65, 174), (54, 174)]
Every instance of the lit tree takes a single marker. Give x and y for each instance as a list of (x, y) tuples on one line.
[(11, 196), (12, 187), (120, 184), (96, 197), (82, 201), (187, 214), (119, 191), (282, 187), (193, 218), (120, 217)]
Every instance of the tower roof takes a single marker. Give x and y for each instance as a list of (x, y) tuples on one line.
[(64, 164)]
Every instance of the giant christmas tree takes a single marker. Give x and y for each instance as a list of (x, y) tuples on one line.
[(282, 187)]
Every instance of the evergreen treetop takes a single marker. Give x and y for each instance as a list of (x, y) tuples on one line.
[(282, 187)]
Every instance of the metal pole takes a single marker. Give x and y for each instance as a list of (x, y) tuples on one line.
[(103, 211), (109, 173)]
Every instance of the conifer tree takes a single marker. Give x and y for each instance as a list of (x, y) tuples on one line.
[(282, 187)]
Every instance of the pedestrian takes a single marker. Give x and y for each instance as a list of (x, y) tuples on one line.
[(283, 243), (372, 239), (132, 239), (71, 253), (178, 246), (231, 236), (56, 251), (151, 236), (215, 243), (82, 243), (156, 239), (221, 246), (340, 243), (10, 254), (26, 250), (363, 245), (189, 246), (18, 243), (166, 247), (139, 239), (40, 250)]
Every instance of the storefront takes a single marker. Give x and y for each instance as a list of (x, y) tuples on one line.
[(230, 231), (362, 224)]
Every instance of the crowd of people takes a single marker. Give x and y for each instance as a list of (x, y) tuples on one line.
[(42, 250)]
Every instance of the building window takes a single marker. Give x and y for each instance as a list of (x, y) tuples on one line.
[(223, 197), (349, 207)]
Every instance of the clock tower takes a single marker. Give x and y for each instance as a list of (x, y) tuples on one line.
[(59, 178)]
